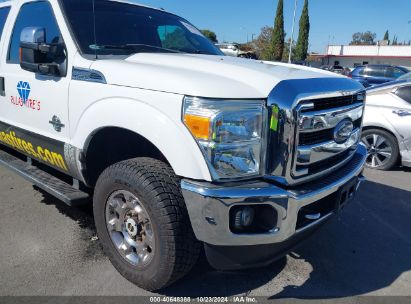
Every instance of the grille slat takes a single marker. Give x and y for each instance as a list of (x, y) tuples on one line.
[(327, 163), (316, 137), (329, 103)]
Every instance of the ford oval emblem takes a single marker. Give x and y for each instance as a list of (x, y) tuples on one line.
[(343, 131)]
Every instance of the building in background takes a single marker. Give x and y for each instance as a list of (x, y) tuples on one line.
[(355, 55)]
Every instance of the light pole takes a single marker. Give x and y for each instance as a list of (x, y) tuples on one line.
[(292, 32), (245, 29)]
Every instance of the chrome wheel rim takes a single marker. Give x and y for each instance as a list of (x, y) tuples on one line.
[(379, 150), (130, 228)]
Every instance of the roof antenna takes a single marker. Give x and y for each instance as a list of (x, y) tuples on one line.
[(94, 29)]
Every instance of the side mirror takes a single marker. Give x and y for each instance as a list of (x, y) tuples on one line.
[(39, 57)]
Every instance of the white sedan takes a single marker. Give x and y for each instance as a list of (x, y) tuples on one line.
[(387, 125)]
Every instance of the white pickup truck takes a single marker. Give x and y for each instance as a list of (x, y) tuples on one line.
[(181, 148)]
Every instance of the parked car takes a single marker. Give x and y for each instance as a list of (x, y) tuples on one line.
[(387, 125), (325, 67), (346, 71), (377, 74), (234, 50), (302, 62), (333, 68), (337, 69)]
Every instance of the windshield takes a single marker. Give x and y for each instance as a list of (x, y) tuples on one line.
[(123, 28), (405, 76)]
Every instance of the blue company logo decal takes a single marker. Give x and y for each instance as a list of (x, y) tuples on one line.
[(24, 90), (23, 100)]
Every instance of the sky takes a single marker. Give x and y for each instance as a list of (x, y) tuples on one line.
[(332, 21)]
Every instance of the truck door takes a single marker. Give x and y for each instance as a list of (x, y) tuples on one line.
[(34, 105)]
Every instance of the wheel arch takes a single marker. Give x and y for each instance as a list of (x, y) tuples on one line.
[(98, 156), (135, 124), (382, 128)]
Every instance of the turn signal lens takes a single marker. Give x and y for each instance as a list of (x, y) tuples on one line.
[(199, 126)]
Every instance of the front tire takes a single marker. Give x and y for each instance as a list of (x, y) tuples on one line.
[(382, 149), (143, 224)]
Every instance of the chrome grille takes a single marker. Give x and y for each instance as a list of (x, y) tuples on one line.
[(316, 149), (303, 115)]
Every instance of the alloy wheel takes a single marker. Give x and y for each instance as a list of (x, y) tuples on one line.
[(130, 228), (379, 150)]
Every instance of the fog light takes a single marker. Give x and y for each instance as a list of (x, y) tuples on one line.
[(244, 217), (253, 219)]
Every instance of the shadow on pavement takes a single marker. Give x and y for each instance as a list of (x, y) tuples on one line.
[(83, 216), (204, 281), (402, 169), (363, 251), (367, 249)]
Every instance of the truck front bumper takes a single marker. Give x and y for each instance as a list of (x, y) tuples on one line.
[(209, 210)]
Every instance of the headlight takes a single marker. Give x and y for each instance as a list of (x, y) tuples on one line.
[(230, 133)]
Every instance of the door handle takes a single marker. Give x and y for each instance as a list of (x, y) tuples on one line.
[(402, 112)]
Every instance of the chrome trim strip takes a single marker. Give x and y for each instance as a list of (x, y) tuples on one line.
[(310, 154), (89, 75), (206, 200), (326, 119)]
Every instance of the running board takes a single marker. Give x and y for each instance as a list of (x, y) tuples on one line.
[(45, 181)]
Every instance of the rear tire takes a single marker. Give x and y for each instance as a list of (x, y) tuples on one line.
[(144, 195), (382, 148)]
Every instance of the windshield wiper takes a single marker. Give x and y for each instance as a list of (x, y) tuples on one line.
[(132, 47)]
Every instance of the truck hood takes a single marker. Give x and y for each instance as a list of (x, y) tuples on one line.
[(202, 75)]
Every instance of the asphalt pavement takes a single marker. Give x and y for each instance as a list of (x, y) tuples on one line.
[(48, 248)]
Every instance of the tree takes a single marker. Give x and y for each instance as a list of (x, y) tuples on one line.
[(276, 49), (387, 36), (210, 35), (366, 38), (395, 40), (356, 39), (262, 44), (301, 49)]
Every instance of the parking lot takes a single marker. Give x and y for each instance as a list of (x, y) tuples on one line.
[(48, 248)]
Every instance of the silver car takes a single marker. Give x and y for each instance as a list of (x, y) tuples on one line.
[(387, 125)]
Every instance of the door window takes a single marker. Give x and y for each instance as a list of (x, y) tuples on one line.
[(375, 72), (37, 14), (4, 12), (173, 37), (404, 93), (361, 71), (394, 72)]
